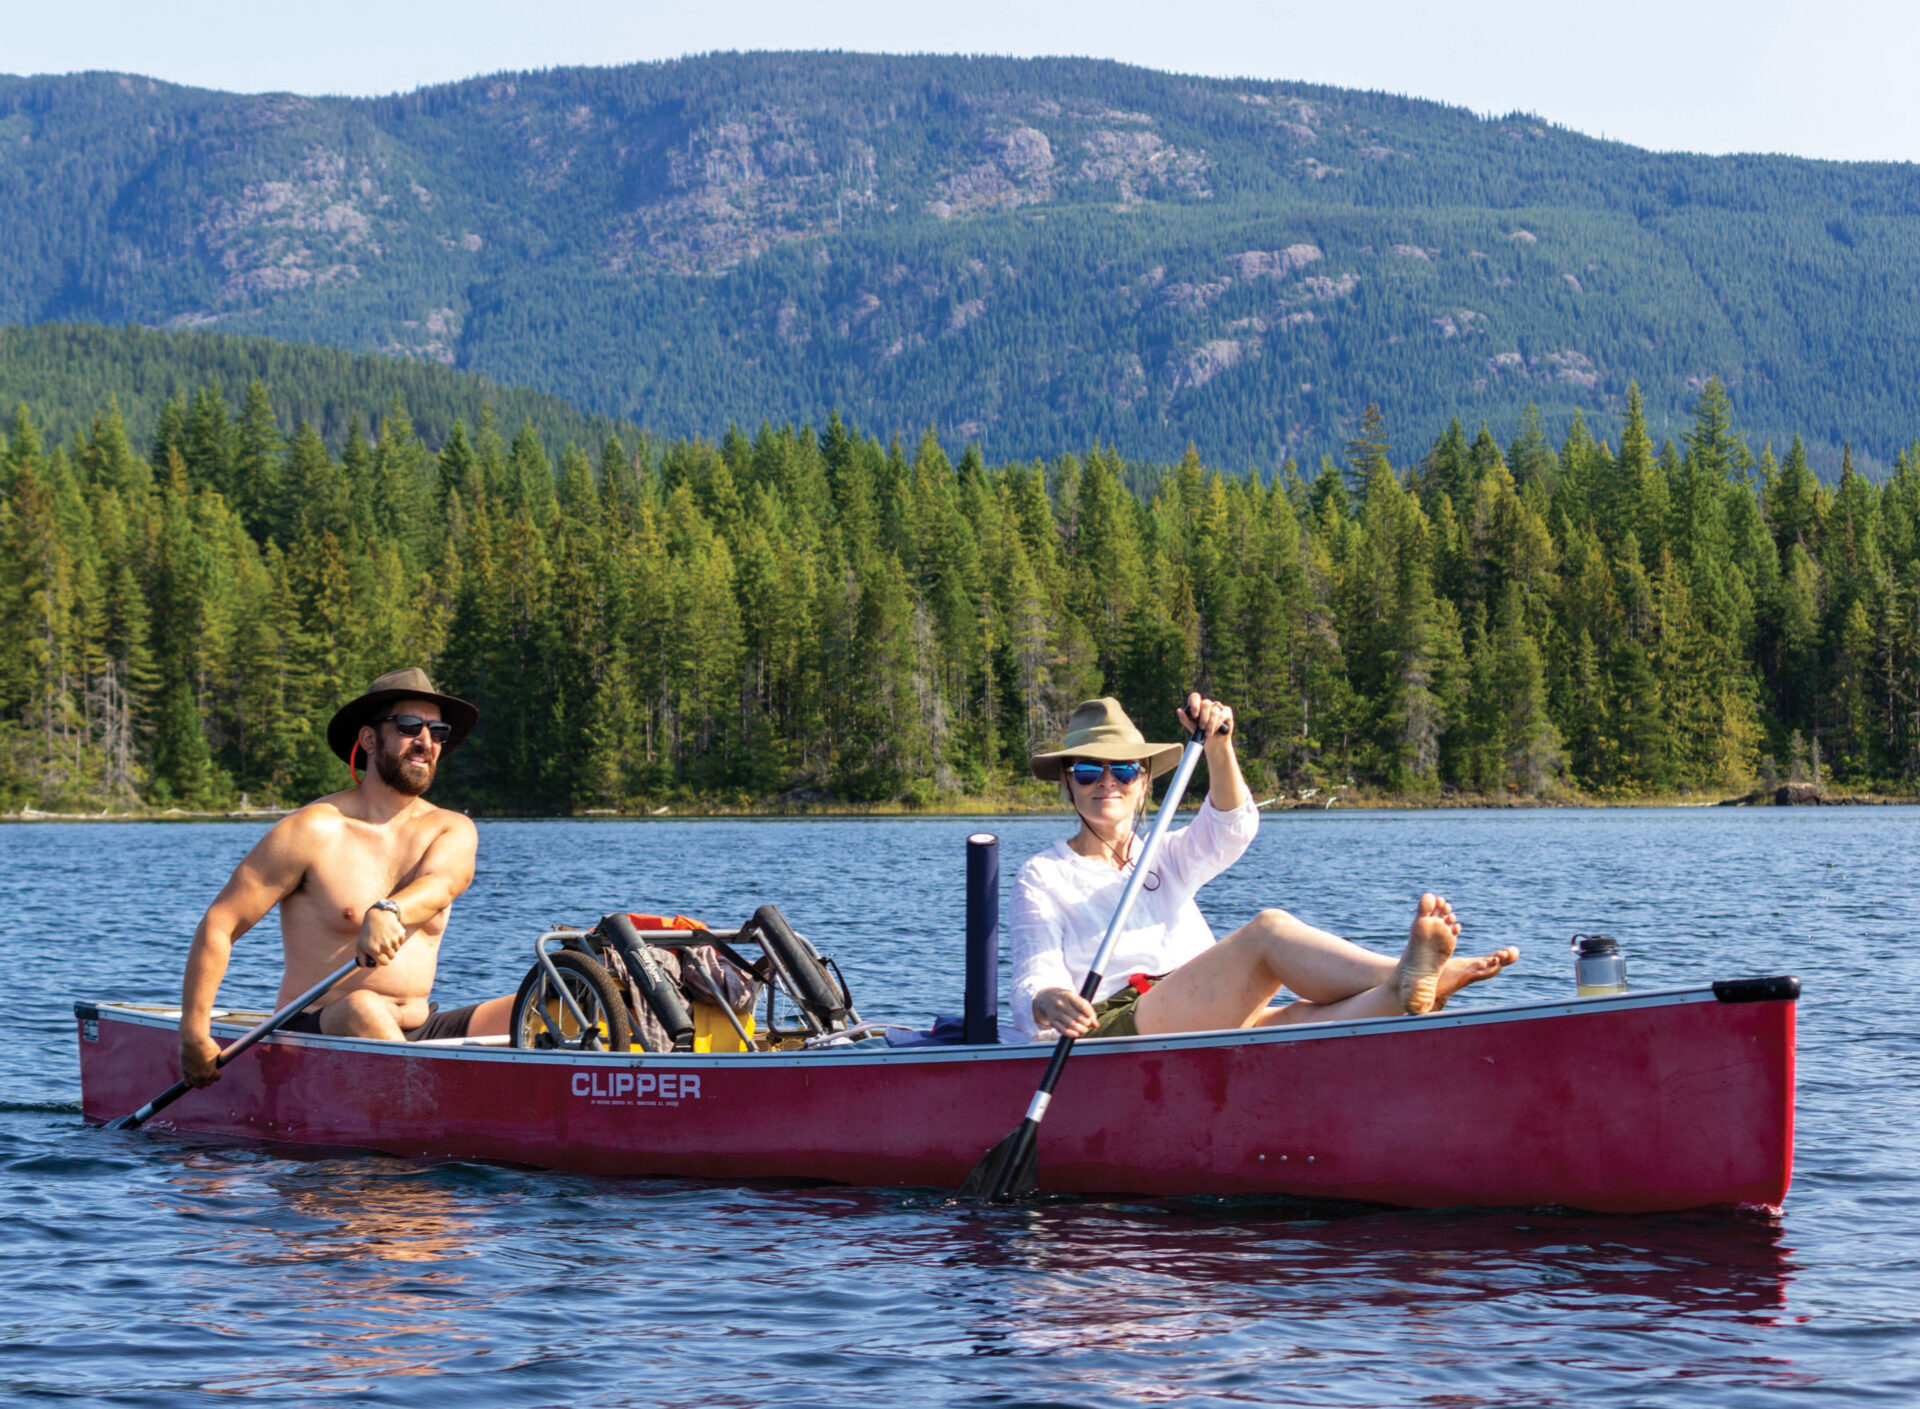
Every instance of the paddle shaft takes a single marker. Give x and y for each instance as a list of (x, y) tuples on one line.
[(235, 1048), (1022, 1143)]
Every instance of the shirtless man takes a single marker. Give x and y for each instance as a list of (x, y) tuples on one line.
[(371, 872)]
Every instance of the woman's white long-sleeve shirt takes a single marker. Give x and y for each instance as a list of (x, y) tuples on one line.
[(1063, 901)]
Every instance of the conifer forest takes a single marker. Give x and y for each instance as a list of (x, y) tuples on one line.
[(807, 615)]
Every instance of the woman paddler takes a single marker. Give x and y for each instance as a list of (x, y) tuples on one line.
[(1166, 973)]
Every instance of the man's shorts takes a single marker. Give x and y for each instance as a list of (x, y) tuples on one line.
[(453, 1023), (1114, 1017)]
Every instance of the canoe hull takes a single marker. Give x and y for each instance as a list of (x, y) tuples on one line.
[(1632, 1104)]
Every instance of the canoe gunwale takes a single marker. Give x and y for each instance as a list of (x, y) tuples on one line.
[(235, 1023)]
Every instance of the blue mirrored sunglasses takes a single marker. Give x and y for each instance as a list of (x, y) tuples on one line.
[(1123, 773)]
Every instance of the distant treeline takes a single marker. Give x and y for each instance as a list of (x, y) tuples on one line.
[(66, 371), (820, 615)]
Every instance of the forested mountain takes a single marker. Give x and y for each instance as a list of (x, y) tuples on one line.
[(818, 614), (1027, 254), (66, 373)]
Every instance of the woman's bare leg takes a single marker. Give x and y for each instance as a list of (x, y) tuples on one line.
[(1231, 984)]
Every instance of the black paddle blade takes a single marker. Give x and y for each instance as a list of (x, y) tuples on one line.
[(151, 1109), (1009, 1171)]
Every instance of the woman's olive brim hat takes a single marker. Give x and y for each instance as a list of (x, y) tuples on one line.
[(1100, 729), (343, 731)]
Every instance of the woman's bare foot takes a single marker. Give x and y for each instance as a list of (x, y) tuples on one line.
[(1457, 973), (1430, 944)]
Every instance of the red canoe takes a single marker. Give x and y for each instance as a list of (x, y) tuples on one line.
[(1638, 1102)]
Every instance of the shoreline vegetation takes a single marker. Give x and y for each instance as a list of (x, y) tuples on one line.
[(800, 621), (1786, 796)]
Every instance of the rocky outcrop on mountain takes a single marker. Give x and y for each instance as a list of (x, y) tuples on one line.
[(311, 228), (739, 187), (1273, 264), (1567, 367), (1206, 362)]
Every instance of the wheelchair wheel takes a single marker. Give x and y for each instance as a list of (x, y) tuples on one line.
[(543, 1021)]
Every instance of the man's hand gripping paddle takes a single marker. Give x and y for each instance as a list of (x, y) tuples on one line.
[(1010, 1169), (278, 1020)]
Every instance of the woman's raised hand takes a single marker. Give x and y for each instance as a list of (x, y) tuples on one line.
[(1209, 716), (1215, 721)]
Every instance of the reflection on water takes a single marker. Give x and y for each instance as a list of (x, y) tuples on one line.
[(1108, 1294), (356, 1217), (372, 1252)]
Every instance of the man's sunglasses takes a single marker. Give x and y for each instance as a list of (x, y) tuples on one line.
[(1086, 774), (410, 726)]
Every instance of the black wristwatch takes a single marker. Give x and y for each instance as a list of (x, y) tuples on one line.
[(392, 907)]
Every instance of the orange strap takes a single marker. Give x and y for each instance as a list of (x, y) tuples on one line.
[(352, 754), (663, 922)]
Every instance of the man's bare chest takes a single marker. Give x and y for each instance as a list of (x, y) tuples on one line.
[(352, 873)]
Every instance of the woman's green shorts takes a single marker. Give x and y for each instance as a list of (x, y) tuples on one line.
[(1114, 1017)]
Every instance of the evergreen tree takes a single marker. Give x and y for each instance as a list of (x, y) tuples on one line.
[(256, 491), (402, 491), (877, 722), (459, 469), (209, 443), (1640, 499), (1367, 455), (182, 762), (109, 461)]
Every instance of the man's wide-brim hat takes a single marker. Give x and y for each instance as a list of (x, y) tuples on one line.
[(396, 685), (1100, 729)]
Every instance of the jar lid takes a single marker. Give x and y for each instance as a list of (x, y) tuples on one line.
[(1592, 946)]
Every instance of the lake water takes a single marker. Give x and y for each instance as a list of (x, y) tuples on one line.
[(140, 1268)]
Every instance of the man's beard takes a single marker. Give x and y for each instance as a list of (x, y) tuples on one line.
[(408, 775)]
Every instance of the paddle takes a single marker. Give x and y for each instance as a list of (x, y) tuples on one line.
[(180, 1088), (1009, 1169)]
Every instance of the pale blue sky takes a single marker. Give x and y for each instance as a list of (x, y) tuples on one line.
[(1836, 79)]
